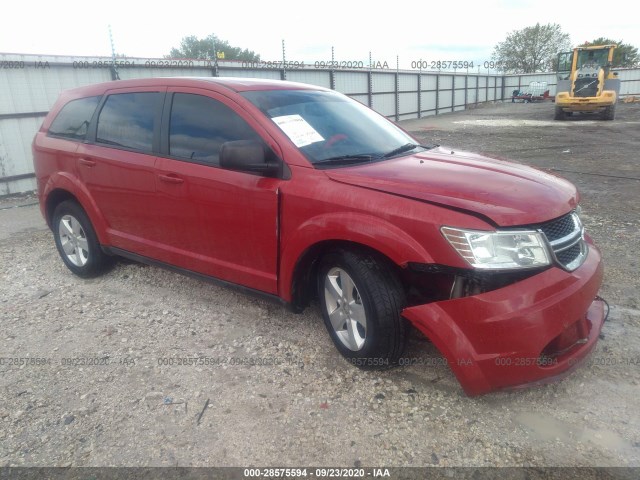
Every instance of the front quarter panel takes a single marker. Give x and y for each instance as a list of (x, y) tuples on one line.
[(316, 209)]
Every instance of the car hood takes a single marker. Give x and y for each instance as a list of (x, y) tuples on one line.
[(508, 194)]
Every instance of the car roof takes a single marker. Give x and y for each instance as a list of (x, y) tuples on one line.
[(237, 84)]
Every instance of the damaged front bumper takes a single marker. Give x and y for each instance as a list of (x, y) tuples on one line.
[(534, 331)]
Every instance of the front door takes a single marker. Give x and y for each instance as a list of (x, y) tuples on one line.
[(214, 221)]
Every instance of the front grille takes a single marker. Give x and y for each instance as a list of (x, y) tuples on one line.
[(565, 236), (586, 87), (567, 256), (556, 229)]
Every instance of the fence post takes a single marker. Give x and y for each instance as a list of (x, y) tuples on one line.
[(370, 92), (477, 87), (397, 88), (453, 93), (397, 97), (437, 92), (466, 83), (420, 93), (486, 89)]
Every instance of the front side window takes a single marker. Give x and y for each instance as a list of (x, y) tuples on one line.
[(199, 126), (127, 120), (72, 121), (564, 62)]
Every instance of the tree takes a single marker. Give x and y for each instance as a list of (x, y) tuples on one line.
[(532, 49), (624, 56), (203, 49)]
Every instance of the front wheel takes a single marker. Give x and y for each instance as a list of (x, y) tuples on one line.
[(361, 300), (609, 113), (559, 114), (77, 242)]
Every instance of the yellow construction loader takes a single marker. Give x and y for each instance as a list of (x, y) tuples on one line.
[(586, 82)]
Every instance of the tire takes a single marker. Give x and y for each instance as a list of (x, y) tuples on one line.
[(559, 115), (77, 242), (364, 319), (609, 113)]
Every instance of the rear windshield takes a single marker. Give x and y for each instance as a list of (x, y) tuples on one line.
[(73, 120)]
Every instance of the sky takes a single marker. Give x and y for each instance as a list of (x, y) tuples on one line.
[(445, 30)]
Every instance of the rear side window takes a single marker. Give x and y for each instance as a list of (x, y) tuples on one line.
[(199, 126), (73, 120), (127, 120)]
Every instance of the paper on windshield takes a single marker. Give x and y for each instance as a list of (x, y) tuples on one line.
[(298, 130)]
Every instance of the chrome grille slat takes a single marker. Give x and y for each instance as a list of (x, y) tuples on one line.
[(567, 245)]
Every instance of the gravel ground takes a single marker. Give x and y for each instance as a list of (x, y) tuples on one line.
[(308, 407)]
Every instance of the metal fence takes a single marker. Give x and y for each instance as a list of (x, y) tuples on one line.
[(30, 84)]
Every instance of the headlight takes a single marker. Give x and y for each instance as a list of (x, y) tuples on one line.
[(499, 250)]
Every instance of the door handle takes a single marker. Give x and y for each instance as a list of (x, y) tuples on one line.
[(86, 162), (171, 179)]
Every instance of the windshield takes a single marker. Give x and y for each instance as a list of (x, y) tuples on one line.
[(592, 59), (330, 128)]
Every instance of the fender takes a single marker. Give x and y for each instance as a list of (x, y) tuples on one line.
[(66, 181), (353, 227)]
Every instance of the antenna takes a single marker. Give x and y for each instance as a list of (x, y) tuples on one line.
[(114, 70)]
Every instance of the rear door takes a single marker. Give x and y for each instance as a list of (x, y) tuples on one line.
[(118, 165), (215, 221)]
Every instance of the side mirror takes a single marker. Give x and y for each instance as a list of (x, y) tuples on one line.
[(247, 156)]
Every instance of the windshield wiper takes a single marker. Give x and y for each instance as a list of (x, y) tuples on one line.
[(368, 157), (344, 159), (405, 148)]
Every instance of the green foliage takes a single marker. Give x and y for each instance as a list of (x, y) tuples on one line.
[(203, 49), (532, 49), (624, 56)]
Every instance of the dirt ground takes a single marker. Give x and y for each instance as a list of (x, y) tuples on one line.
[(307, 406)]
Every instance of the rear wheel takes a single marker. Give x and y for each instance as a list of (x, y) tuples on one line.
[(559, 115), (77, 242), (361, 299), (609, 112)]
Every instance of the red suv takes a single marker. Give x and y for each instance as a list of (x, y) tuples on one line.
[(298, 192)]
